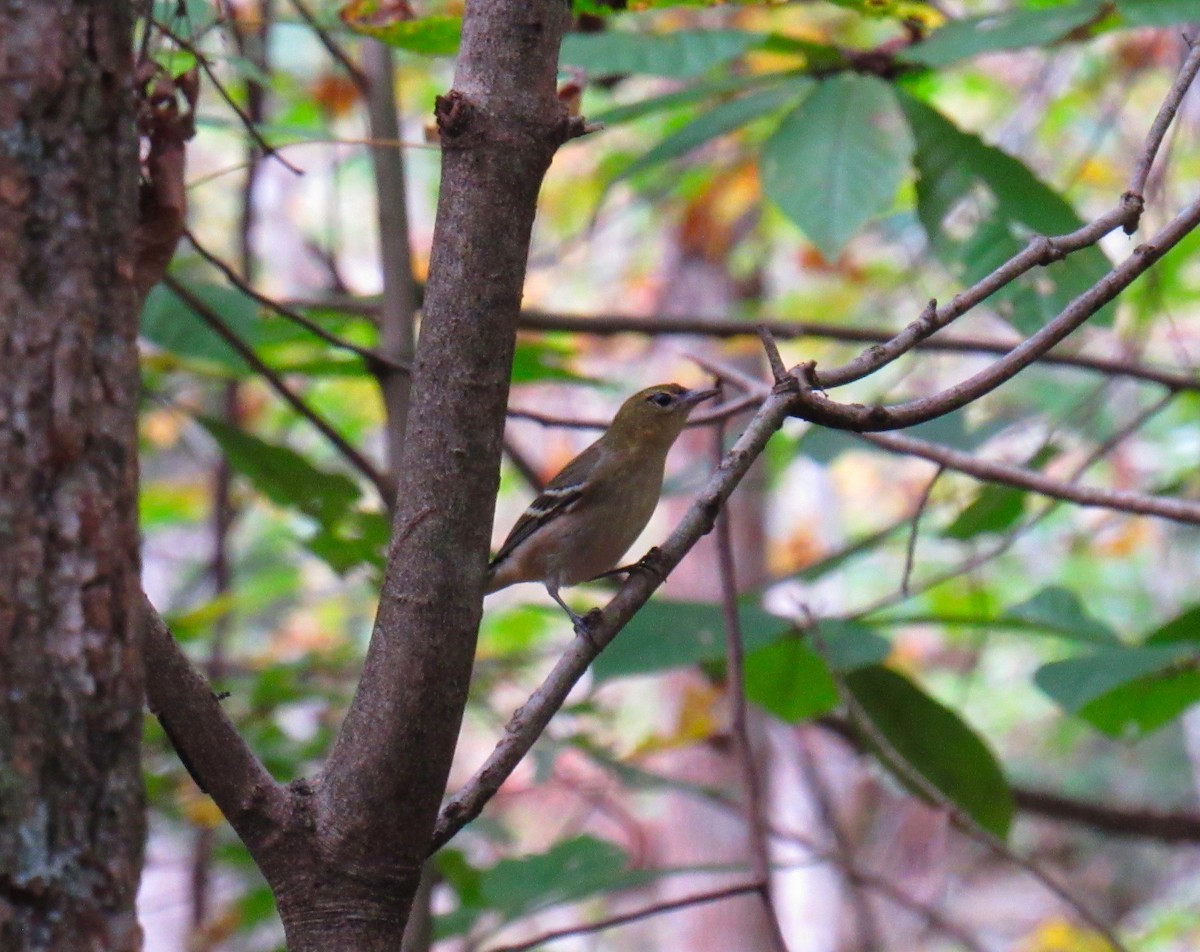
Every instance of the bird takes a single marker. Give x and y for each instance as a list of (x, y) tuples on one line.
[(589, 515)]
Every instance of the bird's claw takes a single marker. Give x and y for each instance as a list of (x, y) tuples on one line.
[(585, 626)]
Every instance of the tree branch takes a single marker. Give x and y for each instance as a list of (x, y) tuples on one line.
[(499, 128), (210, 747), (1184, 511)]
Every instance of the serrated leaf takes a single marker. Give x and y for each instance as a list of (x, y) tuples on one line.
[(837, 160), (1059, 610), (1010, 30), (936, 742), (721, 119), (680, 55)]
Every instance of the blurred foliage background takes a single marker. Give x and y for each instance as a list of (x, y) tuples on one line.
[(831, 164)]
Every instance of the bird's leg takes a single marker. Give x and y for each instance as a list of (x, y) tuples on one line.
[(580, 623), (648, 563)]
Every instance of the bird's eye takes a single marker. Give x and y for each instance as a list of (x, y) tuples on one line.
[(660, 399)]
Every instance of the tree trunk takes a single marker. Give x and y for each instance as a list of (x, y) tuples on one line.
[(71, 811)]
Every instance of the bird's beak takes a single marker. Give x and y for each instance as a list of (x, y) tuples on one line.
[(693, 397)]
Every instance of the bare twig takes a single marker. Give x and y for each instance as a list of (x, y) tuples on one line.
[(332, 47), (339, 442), (605, 325), (1162, 121), (911, 549), (717, 414), (250, 126), (624, 918), (1184, 511), (735, 680), (371, 357)]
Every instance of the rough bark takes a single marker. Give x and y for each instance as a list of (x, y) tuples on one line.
[(71, 811)]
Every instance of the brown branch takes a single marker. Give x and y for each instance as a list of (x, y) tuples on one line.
[(1162, 121), (607, 325), (1163, 825), (982, 558), (528, 722), (371, 357), (339, 442), (657, 909), (499, 127), (398, 302), (210, 747), (1176, 510), (717, 414), (735, 681)]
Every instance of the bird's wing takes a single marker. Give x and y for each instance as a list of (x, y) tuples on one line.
[(559, 496)]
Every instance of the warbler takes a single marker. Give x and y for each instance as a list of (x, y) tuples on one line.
[(593, 510)]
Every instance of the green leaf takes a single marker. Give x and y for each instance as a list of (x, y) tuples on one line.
[(936, 742), (1076, 682), (1157, 12), (680, 55), (1183, 627), (962, 39), (953, 166), (718, 121), (995, 509), (544, 359), (1060, 611), (283, 475), (790, 680), (432, 35), (837, 160), (168, 323), (708, 89), (1146, 704), (664, 635)]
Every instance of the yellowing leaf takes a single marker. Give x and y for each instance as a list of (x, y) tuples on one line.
[(1058, 935)]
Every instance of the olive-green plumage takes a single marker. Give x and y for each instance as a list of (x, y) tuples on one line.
[(592, 511)]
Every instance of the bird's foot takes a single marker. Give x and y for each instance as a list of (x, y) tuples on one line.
[(650, 563), (585, 626)]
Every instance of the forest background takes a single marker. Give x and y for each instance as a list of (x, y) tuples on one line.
[(928, 689)]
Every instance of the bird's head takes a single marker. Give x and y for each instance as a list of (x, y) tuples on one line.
[(656, 414)]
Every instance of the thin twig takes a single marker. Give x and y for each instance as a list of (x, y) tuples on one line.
[(657, 909), (371, 357), (250, 126), (982, 558), (910, 551), (339, 442), (606, 325), (332, 47), (1162, 121), (735, 680)]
